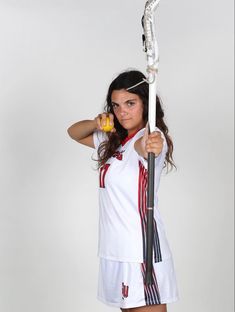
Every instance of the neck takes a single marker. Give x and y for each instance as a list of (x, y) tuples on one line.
[(131, 132)]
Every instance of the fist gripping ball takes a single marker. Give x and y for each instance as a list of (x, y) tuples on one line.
[(107, 127)]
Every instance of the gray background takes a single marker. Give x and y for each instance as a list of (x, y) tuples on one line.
[(57, 59)]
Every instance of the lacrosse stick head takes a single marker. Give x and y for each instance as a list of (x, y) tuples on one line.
[(151, 5), (149, 37)]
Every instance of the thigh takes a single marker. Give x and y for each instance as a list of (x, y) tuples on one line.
[(152, 308)]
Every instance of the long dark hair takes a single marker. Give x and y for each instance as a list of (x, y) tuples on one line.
[(123, 81)]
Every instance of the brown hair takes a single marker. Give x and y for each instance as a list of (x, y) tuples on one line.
[(124, 81)]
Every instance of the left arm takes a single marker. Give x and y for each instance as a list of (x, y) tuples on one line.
[(152, 142)]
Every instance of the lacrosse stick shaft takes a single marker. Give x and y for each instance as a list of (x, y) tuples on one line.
[(151, 49)]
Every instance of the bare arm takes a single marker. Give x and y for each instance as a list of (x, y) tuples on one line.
[(82, 131), (140, 148), (149, 143)]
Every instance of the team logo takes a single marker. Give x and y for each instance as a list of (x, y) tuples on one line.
[(125, 289), (118, 155)]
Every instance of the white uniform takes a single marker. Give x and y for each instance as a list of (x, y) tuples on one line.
[(122, 230)]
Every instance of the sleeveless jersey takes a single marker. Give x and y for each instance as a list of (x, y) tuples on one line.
[(122, 203)]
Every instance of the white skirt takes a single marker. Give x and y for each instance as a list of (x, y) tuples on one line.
[(121, 284)]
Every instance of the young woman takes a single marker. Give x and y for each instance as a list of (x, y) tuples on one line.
[(122, 162)]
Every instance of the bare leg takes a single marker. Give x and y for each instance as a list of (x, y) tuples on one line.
[(152, 308)]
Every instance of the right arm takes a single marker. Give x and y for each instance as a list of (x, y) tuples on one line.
[(82, 131)]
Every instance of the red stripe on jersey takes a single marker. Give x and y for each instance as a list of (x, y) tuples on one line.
[(142, 203), (103, 171), (129, 137)]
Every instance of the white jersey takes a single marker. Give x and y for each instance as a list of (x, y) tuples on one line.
[(122, 203)]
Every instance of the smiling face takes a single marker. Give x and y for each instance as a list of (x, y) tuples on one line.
[(128, 108)]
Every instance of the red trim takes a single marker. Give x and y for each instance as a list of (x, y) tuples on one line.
[(103, 171), (129, 137)]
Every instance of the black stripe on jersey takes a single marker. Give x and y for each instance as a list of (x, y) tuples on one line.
[(156, 244), (151, 292), (142, 203)]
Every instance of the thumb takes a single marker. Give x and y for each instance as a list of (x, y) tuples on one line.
[(146, 132)]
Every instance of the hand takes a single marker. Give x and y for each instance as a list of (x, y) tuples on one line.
[(152, 142), (101, 121)]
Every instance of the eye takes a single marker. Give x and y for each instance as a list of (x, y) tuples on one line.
[(114, 105), (130, 103)]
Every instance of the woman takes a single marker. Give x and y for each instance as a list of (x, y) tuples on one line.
[(122, 162)]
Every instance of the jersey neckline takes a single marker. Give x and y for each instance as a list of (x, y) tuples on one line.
[(129, 137)]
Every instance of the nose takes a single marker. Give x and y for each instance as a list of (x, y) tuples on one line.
[(122, 111)]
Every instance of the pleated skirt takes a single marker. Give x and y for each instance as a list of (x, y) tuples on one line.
[(121, 284)]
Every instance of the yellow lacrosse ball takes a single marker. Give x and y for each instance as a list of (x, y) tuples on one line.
[(107, 127)]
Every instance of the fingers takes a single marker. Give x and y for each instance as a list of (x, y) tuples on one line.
[(101, 120), (154, 143), (154, 137), (111, 118), (97, 119), (145, 136)]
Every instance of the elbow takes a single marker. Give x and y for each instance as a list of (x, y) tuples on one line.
[(72, 135), (70, 132)]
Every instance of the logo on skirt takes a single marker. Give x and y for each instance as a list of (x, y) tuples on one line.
[(124, 291)]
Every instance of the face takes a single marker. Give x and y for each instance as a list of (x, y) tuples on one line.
[(128, 108)]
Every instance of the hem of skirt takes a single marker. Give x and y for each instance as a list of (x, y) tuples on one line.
[(118, 259), (131, 260), (135, 305), (170, 300)]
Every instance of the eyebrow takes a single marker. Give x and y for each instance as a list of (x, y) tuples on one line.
[(125, 101)]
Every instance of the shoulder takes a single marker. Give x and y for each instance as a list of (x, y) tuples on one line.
[(99, 137)]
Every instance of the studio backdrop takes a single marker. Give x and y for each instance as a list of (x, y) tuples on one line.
[(57, 59)]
